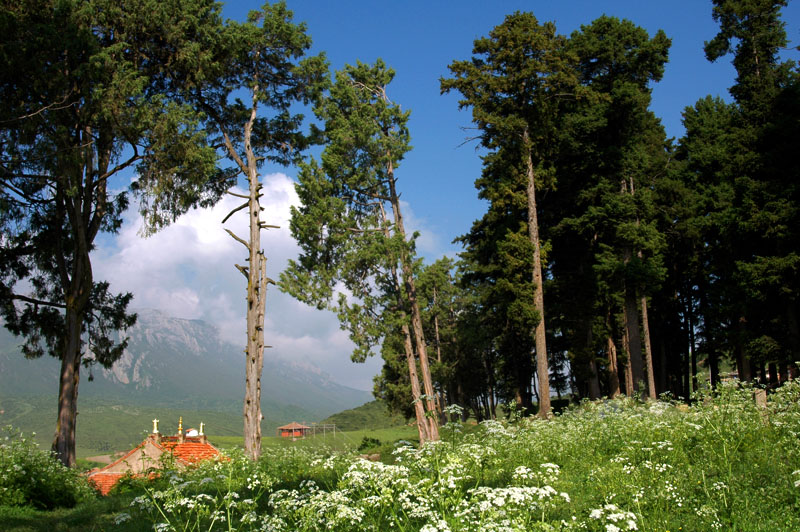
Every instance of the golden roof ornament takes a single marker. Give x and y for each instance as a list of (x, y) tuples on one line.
[(180, 425), (155, 426)]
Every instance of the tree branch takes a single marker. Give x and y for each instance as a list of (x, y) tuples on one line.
[(237, 209), (33, 301), (240, 240)]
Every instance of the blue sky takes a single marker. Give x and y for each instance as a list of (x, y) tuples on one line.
[(419, 39), (187, 270)]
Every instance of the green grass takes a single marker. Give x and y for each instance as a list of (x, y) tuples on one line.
[(341, 441), (96, 515), (721, 464)]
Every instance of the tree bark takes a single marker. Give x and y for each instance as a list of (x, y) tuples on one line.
[(256, 301), (613, 366), (648, 352), (440, 403), (743, 367), (66, 424), (423, 427), (634, 341), (416, 316), (542, 367)]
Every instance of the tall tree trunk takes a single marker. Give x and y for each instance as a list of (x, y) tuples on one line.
[(613, 367), (416, 315), (634, 339), (793, 329), (594, 381), (440, 399), (692, 345), (77, 280), (64, 439), (594, 377), (256, 305), (626, 364), (256, 274), (423, 428), (743, 366), (662, 375), (542, 366), (648, 352)]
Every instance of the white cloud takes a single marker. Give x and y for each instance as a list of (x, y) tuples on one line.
[(187, 271), (429, 243)]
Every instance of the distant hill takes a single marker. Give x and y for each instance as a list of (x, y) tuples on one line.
[(170, 365), (372, 415)]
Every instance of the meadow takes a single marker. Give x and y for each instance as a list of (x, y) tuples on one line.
[(722, 463)]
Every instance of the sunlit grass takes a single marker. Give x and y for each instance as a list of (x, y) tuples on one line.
[(610, 466)]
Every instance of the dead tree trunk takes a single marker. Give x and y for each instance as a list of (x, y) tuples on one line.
[(256, 274)]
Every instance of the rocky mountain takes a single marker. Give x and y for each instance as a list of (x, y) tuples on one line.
[(179, 363)]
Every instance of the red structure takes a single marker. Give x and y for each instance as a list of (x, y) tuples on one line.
[(187, 449), (293, 430)]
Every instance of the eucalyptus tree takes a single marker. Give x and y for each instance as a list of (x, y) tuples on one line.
[(515, 84), (263, 61), (91, 90), (357, 257)]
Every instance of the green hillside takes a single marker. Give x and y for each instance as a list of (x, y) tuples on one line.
[(111, 425), (372, 415)]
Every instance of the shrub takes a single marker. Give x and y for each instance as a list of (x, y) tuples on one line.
[(32, 477)]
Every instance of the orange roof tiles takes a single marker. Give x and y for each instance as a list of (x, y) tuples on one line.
[(103, 482), (191, 450), (293, 425)]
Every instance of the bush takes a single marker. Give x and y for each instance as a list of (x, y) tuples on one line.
[(32, 477), (368, 443)]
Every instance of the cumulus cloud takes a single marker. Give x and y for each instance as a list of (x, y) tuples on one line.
[(187, 271)]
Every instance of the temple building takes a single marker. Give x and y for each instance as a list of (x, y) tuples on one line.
[(187, 449)]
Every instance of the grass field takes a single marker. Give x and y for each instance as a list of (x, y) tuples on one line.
[(723, 463)]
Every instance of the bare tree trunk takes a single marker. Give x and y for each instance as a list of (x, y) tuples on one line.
[(256, 304), (648, 352), (256, 274), (542, 369)]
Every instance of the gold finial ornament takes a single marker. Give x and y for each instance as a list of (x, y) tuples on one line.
[(180, 425), (155, 426), (201, 428)]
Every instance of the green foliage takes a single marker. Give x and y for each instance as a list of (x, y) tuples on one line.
[(343, 225), (723, 464), (34, 478), (368, 443)]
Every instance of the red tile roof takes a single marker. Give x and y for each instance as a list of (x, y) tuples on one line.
[(293, 425), (103, 482), (190, 451)]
